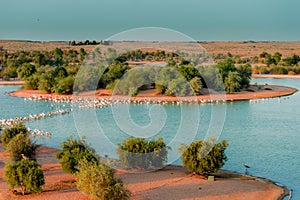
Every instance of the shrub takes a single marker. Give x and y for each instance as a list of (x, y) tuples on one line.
[(10, 133), (72, 152), (21, 144), (25, 174), (138, 152), (204, 157), (97, 180)]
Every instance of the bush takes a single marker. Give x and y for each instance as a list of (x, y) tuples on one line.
[(97, 180), (25, 174), (204, 157), (21, 144), (138, 152), (9, 133), (72, 152)]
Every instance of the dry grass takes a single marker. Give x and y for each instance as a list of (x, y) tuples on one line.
[(244, 49)]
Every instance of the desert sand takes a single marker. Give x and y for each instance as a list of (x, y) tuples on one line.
[(171, 182)]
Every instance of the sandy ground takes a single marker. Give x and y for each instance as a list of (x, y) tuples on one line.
[(276, 76), (12, 82), (244, 49), (172, 182), (268, 91)]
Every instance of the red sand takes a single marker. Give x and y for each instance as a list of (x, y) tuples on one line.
[(274, 91), (169, 183)]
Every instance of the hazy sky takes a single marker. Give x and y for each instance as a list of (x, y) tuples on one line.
[(200, 19)]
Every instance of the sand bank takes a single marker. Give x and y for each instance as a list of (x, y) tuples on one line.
[(172, 182), (268, 91), (12, 82), (275, 76)]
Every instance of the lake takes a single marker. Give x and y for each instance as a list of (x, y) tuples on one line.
[(262, 134)]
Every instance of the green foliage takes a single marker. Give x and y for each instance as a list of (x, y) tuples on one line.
[(32, 82), (64, 85), (225, 67), (188, 71), (138, 152), (179, 87), (278, 70), (232, 82), (114, 72), (88, 77), (245, 74), (21, 144), (9, 133), (25, 174), (97, 180), (196, 84), (58, 54), (204, 157), (60, 72), (261, 70), (26, 70), (46, 82), (72, 152), (294, 60)]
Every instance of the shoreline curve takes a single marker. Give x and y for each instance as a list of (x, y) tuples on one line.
[(269, 91)]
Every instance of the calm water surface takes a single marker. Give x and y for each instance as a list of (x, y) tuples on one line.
[(263, 135)]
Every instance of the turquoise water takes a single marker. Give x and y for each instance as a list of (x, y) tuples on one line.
[(263, 135)]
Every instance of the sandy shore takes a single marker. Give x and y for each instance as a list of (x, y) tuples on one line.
[(12, 82), (172, 182), (275, 76), (268, 91)]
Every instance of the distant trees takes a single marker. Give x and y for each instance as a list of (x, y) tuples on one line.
[(26, 71), (204, 157), (245, 72), (197, 85), (234, 78), (232, 82)]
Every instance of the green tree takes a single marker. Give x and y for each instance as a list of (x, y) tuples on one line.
[(25, 174), (72, 152), (65, 85), (245, 72), (32, 82), (26, 70), (138, 152), (97, 180), (179, 87), (225, 67), (232, 82), (204, 157), (82, 54), (60, 72), (188, 71), (46, 82), (277, 57), (10, 132), (21, 144), (196, 84), (58, 54)]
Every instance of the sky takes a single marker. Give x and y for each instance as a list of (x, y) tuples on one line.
[(203, 20)]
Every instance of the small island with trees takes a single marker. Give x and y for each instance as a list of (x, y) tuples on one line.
[(183, 75)]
